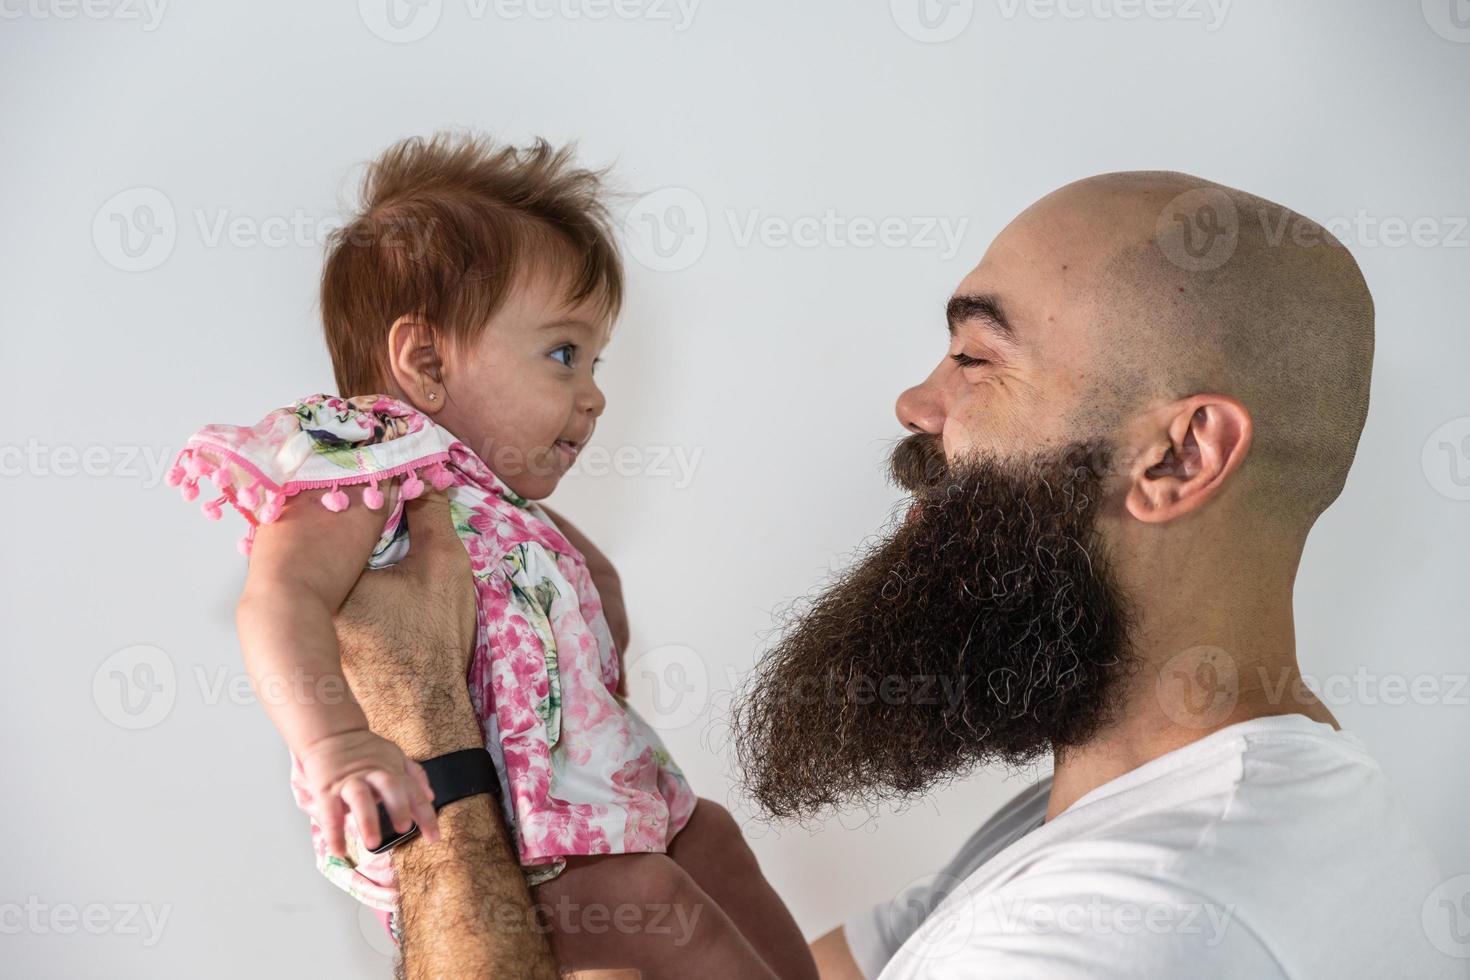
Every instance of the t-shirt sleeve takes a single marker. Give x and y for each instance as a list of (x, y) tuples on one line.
[(321, 442), (875, 934), (1083, 925)]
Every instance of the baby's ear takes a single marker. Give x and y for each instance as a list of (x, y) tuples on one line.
[(416, 363)]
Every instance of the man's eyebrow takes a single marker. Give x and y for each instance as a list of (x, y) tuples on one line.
[(979, 308)]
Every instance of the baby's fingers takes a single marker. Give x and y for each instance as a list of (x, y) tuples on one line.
[(331, 815), (394, 790), (421, 777), (423, 802), (358, 796)]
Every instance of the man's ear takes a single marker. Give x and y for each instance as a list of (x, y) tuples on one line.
[(1204, 440), (414, 359)]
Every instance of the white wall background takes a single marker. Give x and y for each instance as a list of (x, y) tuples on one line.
[(777, 363)]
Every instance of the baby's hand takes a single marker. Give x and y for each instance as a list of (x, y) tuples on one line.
[(353, 770)]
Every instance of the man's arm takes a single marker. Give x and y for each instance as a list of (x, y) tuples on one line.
[(469, 884), (406, 635), (834, 957)]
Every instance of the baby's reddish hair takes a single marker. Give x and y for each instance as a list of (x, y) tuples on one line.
[(447, 227)]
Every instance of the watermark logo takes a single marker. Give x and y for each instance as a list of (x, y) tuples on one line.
[(148, 12), (1446, 917), (667, 230), (400, 21), (1367, 230), (1450, 19), (1198, 230), (1210, 13), (143, 920), (932, 21), (375, 932), (1446, 459), (406, 21), (676, 464), (940, 905), (1098, 917), (146, 464), (135, 688), (135, 230), (673, 681), (1198, 688), (939, 233)]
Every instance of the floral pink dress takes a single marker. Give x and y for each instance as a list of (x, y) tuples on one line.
[(580, 772)]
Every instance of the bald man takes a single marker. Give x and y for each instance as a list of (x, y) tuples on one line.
[(1152, 387)]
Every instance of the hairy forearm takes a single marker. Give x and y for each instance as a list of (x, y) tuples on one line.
[(466, 910)]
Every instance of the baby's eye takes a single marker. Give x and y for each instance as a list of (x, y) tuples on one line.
[(965, 360), (566, 354)]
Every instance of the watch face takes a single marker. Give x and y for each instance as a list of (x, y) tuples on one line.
[(394, 841), (391, 838)]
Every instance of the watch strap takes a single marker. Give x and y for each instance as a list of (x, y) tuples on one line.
[(452, 777)]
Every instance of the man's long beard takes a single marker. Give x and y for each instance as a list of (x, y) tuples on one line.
[(986, 628)]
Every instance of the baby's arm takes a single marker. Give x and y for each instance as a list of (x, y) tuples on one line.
[(302, 567)]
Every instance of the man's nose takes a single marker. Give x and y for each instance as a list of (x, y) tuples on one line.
[(921, 409)]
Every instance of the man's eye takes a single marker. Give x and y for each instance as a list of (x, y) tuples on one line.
[(965, 360), (566, 354)]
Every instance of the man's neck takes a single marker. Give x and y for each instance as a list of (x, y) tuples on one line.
[(1189, 684)]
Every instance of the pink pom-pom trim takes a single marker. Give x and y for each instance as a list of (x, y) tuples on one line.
[(175, 475), (336, 501), (439, 477), (189, 490), (373, 497), (245, 544), (212, 508), (412, 486), (249, 496)]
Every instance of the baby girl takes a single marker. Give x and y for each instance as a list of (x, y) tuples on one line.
[(464, 310)]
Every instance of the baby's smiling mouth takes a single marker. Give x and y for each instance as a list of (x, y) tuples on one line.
[(568, 447)]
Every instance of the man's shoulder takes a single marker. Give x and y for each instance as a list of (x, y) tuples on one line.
[(1242, 854)]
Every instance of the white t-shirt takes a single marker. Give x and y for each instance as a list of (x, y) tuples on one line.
[(1274, 848)]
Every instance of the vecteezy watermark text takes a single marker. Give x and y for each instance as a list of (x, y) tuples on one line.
[(38, 917)]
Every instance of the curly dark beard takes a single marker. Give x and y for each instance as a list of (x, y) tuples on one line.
[(986, 628)]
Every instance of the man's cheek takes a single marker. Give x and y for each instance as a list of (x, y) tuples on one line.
[(1002, 419)]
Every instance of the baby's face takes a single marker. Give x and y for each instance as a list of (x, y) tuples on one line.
[(522, 395)]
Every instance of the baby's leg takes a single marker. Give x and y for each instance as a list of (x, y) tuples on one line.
[(641, 911), (714, 852)]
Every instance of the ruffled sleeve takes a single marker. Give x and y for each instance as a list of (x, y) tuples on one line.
[(322, 442)]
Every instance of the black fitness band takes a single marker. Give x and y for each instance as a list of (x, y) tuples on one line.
[(452, 777)]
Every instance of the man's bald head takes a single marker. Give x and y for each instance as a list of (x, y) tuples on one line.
[(1138, 288), (1205, 288)]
